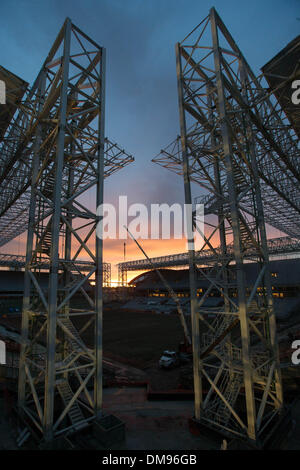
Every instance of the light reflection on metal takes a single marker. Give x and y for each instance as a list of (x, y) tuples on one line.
[(236, 145), (53, 152)]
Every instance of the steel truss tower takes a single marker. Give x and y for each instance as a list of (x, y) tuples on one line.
[(63, 137), (236, 144)]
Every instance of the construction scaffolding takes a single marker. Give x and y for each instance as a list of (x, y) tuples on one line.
[(54, 152), (236, 143)]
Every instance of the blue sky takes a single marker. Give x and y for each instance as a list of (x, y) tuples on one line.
[(140, 35)]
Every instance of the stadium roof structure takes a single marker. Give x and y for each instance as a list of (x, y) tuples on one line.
[(280, 72), (15, 89)]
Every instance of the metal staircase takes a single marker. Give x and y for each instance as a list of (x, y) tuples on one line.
[(220, 324), (75, 414), (230, 394), (72, 333)]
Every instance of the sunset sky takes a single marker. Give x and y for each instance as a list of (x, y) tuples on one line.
[(141, 93)]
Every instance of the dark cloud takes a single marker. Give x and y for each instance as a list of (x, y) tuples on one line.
[(141, 93)]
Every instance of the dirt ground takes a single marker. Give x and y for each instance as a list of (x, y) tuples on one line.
[(140, 337), (159, 425)]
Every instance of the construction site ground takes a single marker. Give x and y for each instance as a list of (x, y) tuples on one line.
[(133, 343)]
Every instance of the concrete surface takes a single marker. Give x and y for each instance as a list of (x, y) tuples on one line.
[(159, 425)]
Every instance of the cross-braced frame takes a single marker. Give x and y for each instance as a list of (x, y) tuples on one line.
[(60, 377), (236, 144)]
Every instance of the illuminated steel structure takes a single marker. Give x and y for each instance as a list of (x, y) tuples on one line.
[(53, 152), (18, 262), (237, 145), (15, 187), (277, 248)]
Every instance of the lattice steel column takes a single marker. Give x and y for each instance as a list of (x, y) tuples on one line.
[(122, 274), (58, 367), (225, 134), (191, 242)]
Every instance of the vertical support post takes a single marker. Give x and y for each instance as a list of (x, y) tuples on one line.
[(191, 243), (264, 247), (54, 261), (68, 248), (99, 243), (221, 223), (245, 336), (29, 247)]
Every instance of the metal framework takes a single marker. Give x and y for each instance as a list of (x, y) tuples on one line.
[(53, 153), (276, 141), (15, 188), (18, 262), (15, 88), (238, 146), (277, 247), (280, 73)]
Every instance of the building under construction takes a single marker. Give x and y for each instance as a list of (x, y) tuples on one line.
[(239, 146)]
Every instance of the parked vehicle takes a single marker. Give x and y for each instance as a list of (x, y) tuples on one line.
[(169, 359)]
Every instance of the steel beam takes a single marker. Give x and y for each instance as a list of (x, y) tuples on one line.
[(235, 145), (64, 136)]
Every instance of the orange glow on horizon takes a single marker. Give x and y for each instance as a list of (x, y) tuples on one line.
[(113, 250)]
